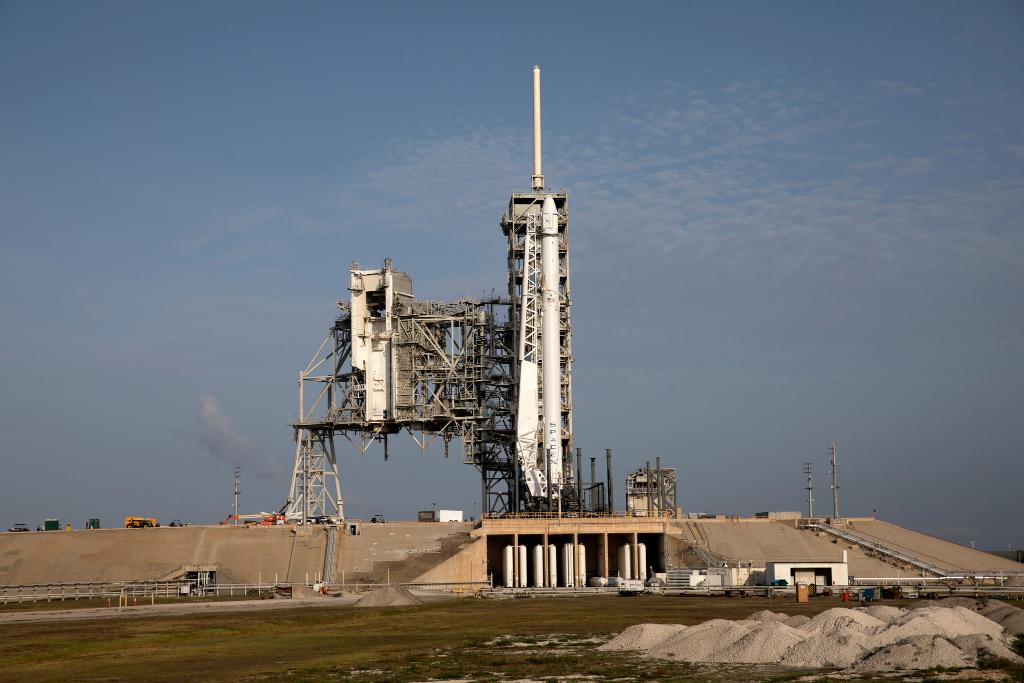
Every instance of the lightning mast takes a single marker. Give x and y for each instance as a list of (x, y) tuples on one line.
[(810, 490), (835, 485)]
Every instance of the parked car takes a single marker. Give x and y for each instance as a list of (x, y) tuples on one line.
[(377, 519), (19, 527)]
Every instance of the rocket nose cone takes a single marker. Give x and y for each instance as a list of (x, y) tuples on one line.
[(549, 205)]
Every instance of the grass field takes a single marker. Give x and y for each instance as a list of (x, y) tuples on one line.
[(539, 639)]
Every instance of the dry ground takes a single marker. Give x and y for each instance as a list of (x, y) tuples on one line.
[(468, 639)]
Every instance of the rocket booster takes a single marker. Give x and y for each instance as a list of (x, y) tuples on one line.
[(550, 341)]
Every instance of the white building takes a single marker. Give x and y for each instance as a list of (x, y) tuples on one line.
[(809, 572)]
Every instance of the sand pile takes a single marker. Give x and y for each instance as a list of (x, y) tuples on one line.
[(878, 638), (637, 637), (1009, 617), (391, 596)]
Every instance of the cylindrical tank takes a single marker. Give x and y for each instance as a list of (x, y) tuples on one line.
[(598, 581), (506, 566), (641, 561), (581, 566), (625, 561), (523, 573), (538, 566), (568, 566), (552, 565)]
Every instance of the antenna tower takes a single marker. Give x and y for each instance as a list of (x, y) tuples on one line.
[(810, 490), (238, 479), (835, 485)]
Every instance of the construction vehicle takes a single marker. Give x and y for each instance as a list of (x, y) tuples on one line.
[(140, 522), (262, 519)]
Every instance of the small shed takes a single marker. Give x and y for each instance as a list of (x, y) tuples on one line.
[(821, 573)]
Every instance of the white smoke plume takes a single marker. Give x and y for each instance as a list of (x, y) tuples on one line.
[(221, 440)]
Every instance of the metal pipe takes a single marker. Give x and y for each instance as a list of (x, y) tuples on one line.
[(593, 483), (661, 484), (647, 489), (608, 481), (579, 479), (515, 485), (538, 174)]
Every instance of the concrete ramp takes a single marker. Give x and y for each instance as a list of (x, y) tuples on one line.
[(94, 555), (763, 540), (401, 551), (952, 557)]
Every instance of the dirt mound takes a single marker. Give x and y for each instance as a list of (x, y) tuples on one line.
[(878, 638), (392, 596)]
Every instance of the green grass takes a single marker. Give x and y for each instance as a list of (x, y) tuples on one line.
[(467, 638)]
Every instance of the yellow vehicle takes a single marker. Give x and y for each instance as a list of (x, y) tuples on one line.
[(139, 522)]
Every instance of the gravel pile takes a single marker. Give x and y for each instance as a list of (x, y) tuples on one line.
[(391, 596), (879, 638), (1009, 617)]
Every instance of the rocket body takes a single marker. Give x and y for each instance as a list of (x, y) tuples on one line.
[(551, 343)]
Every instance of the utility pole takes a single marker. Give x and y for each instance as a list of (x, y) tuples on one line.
[(810, 490), (238, 478), (835, 486)]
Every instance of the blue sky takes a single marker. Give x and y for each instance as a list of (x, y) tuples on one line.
[(790, 223)]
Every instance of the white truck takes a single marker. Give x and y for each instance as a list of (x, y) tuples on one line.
[(631, 586)]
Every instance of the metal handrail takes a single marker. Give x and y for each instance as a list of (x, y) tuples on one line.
[(636, 514), (856, 539)]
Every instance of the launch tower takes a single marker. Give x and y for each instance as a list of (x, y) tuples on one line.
[(494, 373)]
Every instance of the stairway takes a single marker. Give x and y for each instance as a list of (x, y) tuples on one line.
[(332, 537)]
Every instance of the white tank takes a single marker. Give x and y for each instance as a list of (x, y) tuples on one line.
[(506, 567), (626, 561), (523, 573), (568, 566), (552, 565), (538, 566), (598, 581), (641, 561), (581, 566)]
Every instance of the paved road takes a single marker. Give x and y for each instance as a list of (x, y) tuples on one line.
[(172, 609)]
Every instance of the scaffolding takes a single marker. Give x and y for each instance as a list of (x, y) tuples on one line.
[(519, 227), (389, 364), (651, 492), (443, 370)]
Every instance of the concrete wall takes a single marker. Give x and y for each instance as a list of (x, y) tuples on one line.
[(397, 551), (468, 564), (246, 553)]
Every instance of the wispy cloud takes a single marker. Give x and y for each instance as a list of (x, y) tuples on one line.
[(895, 88)]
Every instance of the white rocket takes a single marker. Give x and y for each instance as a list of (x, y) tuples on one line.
[(548, 353), (550, 318)]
